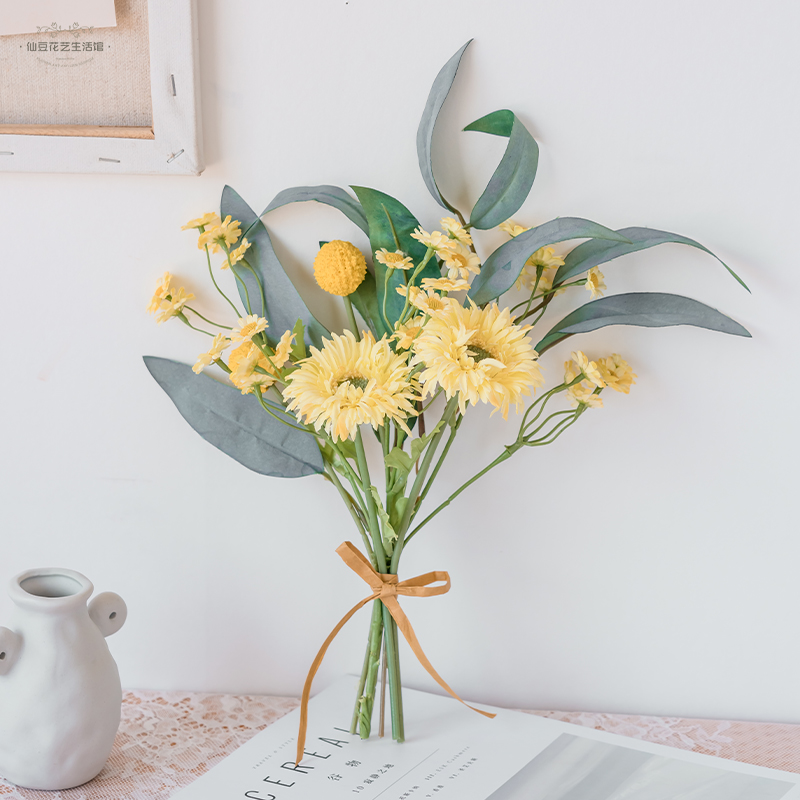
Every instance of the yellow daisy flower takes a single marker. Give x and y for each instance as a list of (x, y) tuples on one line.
[(249, 326), (247, 356), (460, 261), (444, 285), (455, 230), (594, 282), (218, 347), (588, 368), (477, 354), (406, 334), (617, 373), (161, 292), (225, 234), (236, 255), (436, 239), (581, 393), (511, 228), (339, 267), (396, 260), (350, 383), (428, 302), (211, 219), (168, 302), (546, 259)]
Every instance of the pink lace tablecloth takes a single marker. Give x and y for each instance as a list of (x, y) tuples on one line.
[(169, 739)]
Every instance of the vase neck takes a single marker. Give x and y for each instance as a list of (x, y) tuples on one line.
[(50, 590)]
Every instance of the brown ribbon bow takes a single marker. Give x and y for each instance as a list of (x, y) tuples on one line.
[(384, 588)]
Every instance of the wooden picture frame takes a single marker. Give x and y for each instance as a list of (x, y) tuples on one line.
[(172, 141)]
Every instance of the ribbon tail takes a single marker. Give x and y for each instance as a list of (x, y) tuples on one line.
[(404, 625), (301, 734)]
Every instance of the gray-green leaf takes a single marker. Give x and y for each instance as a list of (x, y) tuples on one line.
[(645, 309), (329, 195), (596, 252), (501, 270), (438, 94), (512, 180), (236, 423)]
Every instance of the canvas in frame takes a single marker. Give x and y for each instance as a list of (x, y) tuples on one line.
[(172, 145)]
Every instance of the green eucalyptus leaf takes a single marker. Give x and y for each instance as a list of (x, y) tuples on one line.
[(438, 94), (593, 253), (391, 225), (512, 180), (329, 195), (236, 423), (501, 270), (645, 309), (284, 305)]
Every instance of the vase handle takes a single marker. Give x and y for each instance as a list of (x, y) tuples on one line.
[(109, 612), (10, 645)]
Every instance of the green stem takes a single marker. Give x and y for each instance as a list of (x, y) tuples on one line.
[(205, 319), (216, 285), (185, 321), (448, 443), (351, 317), (367, 699), (372, 512), (260, 285), (350, 502)]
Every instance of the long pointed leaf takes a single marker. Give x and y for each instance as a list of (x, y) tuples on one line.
[(284, 305), (503, 267), (329, 195), (391, 225), (438, 94), (512, 180), (365, 299), (236, 423), (591, 254), (645, 309)]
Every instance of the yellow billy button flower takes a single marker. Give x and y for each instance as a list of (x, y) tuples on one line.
[(478, 355), (211, 219), (511, 228), (350, 383), (548, 262), (339, 268), (581, 393), (396, 260), (594, 282), (436, 240), (236, 255), (168, 302), (249, 326), (459, 261), (246, 357), (617, 373), (455, 230), (226, 233), (429, 302), (588, 368), (218, 347), (444, 285)]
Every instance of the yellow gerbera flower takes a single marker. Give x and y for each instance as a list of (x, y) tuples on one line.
[(396, 260), (455, 230), (168, 302), (247, 356), (225, 234), (588, 368), (235, 256), (545, 259), (444, 285), (594, 282), (339, 267), (428, 302), (617, 373), (211, 219), (460, 261), (477, 354), (436, 239), (581, 393), (249, 326), (218, 347), (350, 383), (511, 228)]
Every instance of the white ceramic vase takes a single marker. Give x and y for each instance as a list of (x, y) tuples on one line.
[(60, 695)]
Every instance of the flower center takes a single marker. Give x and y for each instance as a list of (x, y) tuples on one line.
[(394, 258), (478, 353), (354, 380)]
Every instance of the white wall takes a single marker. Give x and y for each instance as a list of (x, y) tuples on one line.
[(647, 562)]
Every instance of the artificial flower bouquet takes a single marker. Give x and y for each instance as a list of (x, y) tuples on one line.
[(294, 399)]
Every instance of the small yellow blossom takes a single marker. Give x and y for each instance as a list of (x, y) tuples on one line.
[(249, 326), (460, 261), (617, 373), (511, 228), (223, 235), (594, 282), (444, 285), (161, 292), (396, 260), (406, 334), (548, 262), (436, 240), (429, 302), (339, 268), (245, 358), (210, 219), (218, 347), (588, 368), (236, 255), (455, 230), (581, 393), (168, 302)]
